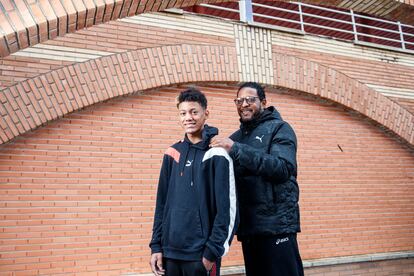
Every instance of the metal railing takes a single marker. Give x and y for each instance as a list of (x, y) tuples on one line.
[(312, 19)]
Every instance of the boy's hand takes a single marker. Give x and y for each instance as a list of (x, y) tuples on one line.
[(156, 264), (207, 264)]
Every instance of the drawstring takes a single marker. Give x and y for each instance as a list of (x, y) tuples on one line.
[(182, 164), (185, 160), (192, 169)]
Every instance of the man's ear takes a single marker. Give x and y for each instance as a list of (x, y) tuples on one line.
[(263, 102), (207, 112)]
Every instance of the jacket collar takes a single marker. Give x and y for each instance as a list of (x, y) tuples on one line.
[(269, 113)]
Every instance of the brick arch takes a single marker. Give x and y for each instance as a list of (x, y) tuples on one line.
[(310, 77), (23, 25), (34, 102)]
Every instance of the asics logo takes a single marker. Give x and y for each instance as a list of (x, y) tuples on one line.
[(282, 240)]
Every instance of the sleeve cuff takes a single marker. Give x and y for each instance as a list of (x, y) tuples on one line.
[(155, 249), (209, 255)]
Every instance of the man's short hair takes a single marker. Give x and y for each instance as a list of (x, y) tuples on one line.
[(192, 94), (260, 90)]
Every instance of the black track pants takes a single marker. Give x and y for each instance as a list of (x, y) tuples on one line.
[(272, 256), (189, 268)]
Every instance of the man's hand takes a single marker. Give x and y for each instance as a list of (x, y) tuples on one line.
[(156, 264), (207, 264), (225, 143)]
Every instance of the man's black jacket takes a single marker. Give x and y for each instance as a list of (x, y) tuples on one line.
[(264, 155)]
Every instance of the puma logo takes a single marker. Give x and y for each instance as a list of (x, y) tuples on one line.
[(259, 138), (188, 164)]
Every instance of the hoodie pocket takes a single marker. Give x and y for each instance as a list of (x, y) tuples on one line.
[(184, 231)]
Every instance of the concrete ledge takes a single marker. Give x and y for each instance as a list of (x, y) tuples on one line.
[(359, 259), (239, 270), (232, 270), (228, 270)]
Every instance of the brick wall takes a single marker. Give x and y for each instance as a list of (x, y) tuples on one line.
[(26, 24), (104, 39), (315, 65), (77, 189), (78, 194), (389, 73)]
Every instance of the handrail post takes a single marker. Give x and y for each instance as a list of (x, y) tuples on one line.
[(302, 24), (354, 28), (246, 11), (401, 35)]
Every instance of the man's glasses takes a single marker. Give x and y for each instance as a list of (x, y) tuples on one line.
[(249, 100)]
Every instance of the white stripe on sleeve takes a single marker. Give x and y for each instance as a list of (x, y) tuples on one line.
[(232, 191)]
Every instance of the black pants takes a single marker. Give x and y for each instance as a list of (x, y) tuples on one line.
[(272, 256), (189, 268)]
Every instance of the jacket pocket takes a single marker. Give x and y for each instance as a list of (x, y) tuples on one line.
[(285, 192), (184, 231)]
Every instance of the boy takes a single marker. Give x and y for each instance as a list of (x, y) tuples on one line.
[(196, 200)]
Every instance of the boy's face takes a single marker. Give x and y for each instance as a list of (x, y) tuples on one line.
[(192, 117)]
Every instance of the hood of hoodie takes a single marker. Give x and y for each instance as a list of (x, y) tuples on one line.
[(207, 133), (269, 113)]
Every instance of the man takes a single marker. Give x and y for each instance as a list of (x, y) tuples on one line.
[(196, 199), (264, 156)]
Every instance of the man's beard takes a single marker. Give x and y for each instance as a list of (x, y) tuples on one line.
[(254, 117)]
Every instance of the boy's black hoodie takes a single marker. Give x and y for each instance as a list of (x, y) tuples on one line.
[(195, 212)]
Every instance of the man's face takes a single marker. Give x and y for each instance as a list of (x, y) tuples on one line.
[(192, 117), (249, 106)]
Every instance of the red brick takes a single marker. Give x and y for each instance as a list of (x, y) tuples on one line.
[(111, 215)]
